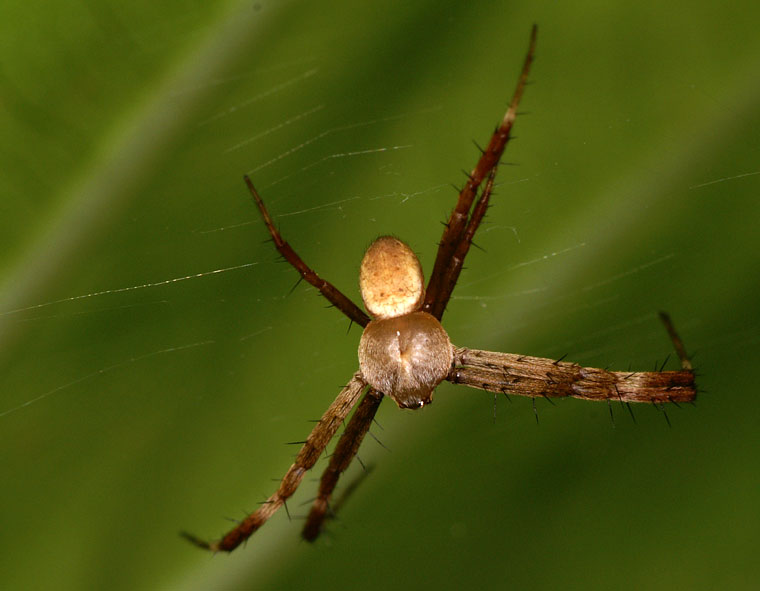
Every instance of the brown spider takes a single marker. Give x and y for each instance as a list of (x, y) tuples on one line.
[(404, 352)]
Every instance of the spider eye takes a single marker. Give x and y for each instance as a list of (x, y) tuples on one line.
[(391, 279)]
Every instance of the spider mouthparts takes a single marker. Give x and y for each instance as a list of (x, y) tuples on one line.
[(414, 404)]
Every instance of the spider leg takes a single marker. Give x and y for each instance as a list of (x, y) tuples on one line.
[(344, 452), (451, 273), (327, 289), (438, 290), (535, 376), (318, 439), (677, 342)]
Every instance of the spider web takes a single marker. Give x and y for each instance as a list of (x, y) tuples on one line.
[(153, 345)]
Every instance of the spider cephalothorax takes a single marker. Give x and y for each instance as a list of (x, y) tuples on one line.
[(404, 352)]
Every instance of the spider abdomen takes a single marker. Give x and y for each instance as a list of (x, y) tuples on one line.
[(406, 357), (390, 278)]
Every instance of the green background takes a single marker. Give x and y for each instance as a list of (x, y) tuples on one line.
[(127, 416)]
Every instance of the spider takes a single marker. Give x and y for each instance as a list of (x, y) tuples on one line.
[(404, 352)]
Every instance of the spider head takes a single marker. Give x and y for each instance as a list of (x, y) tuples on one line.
[(390, 279), (406, 357)]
